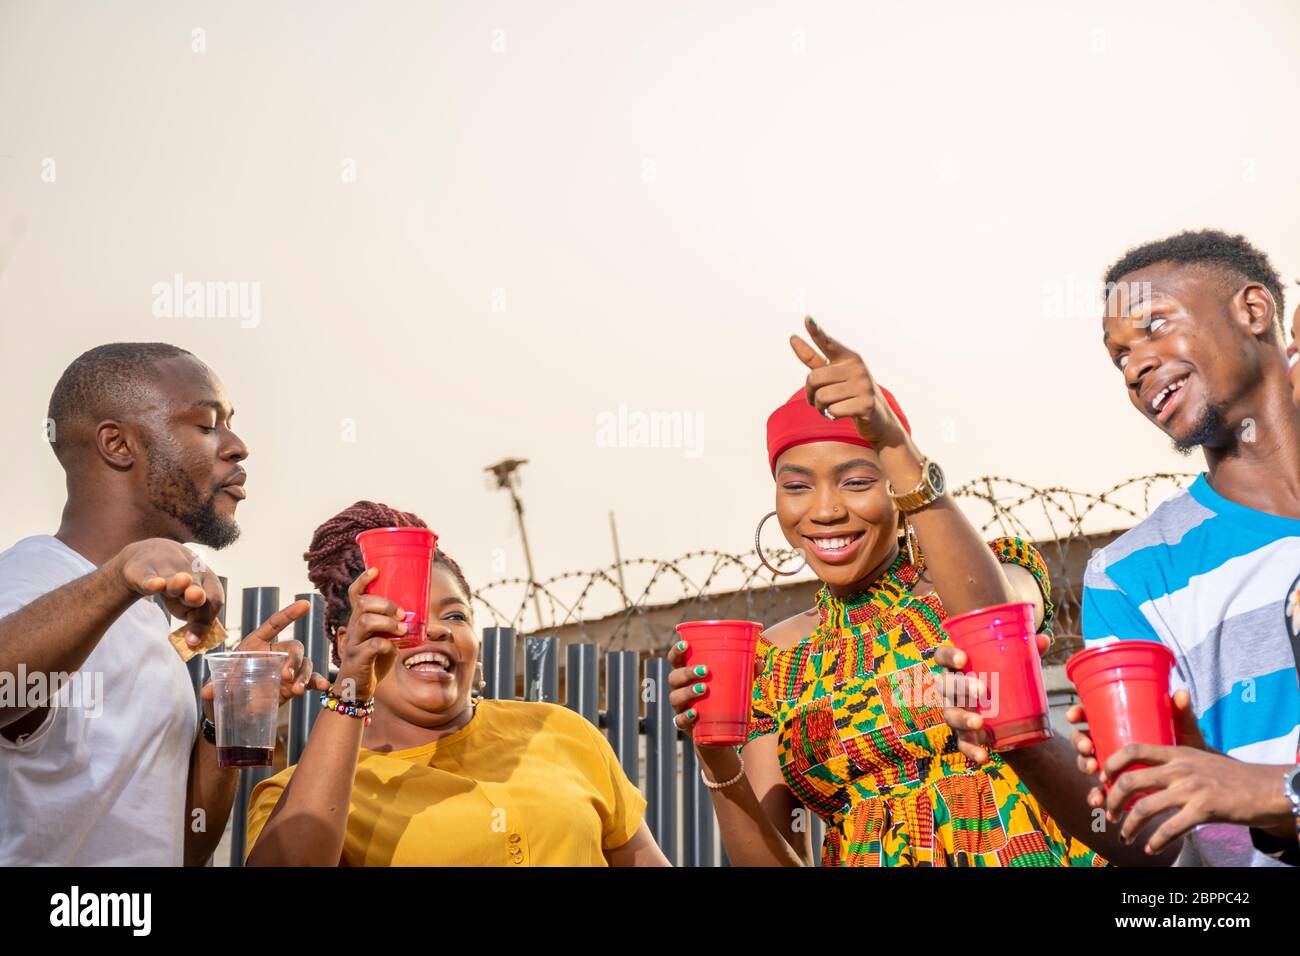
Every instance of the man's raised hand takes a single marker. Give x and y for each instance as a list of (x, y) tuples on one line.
[(189, 588)]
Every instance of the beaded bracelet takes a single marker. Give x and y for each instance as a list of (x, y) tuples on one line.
[(726, 783), (331, 701)]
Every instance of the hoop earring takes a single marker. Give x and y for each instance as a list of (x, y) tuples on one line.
[(476, 693), (907, 540), (758, 549)]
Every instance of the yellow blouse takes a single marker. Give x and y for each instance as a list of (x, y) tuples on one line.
[(522, 784)]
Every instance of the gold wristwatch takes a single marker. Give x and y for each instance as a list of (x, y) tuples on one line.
[(931, 487)]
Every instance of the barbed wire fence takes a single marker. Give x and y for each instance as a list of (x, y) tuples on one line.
[(1064, 523)]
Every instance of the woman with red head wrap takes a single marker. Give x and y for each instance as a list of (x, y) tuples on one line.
[(848, 700)]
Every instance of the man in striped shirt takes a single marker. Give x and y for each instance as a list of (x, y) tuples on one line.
[(1192, 323), (1209, 578)]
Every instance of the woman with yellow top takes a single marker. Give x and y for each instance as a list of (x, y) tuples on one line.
[(848, 716), (434, 777)]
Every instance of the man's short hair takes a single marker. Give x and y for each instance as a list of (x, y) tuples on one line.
[(104, 381), (1233, 257)]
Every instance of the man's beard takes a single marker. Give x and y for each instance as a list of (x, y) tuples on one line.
[(175, 494), (1207, 430)]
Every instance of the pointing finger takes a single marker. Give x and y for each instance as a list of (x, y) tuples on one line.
[(832, 349), (806, 353), (278, 621)]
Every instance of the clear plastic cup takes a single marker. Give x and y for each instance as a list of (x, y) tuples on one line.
[(246, 699)]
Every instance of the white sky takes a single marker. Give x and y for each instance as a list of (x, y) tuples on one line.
[(659, 191)]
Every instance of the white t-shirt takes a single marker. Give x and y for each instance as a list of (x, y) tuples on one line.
[(102, 781)]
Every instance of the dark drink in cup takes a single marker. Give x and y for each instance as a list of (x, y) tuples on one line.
[(234, 758), (1002, 651), (404, 559), (727, 648)]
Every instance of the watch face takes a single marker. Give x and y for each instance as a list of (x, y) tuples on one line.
[(934, 477), (1293, 783)]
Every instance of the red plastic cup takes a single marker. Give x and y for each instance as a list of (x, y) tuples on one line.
[(1124, 689), (727, 649), (1002, 651), (404, 559)]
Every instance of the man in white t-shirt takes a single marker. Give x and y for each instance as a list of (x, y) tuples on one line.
[(112, 769)]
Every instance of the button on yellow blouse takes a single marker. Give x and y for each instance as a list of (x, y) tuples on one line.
[(520, 784)]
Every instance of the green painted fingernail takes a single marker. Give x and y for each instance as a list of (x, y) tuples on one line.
[(681, 645), (698, 688), (701, 670), (691, 713)]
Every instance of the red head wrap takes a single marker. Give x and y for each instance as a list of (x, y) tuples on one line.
[(798, 423)]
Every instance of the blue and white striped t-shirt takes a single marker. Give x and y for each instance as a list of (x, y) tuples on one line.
[(1215, 582)]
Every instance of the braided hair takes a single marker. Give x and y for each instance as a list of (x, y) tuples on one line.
[(334, 559)]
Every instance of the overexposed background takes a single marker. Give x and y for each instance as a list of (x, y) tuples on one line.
[(479, 226)]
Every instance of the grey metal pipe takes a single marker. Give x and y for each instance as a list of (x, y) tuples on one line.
[(661, 759), (623, 709), (499, 663), (582, 681), (698, 819), (542, 669), (303, 711)]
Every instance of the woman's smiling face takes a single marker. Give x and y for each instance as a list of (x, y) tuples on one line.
[(430, 684), (832, 504)]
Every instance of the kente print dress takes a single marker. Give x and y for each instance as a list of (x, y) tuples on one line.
[(886, 777)]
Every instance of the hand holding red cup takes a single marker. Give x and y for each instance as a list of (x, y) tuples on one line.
[(713, 680), (1124, 691), (1000, 651), (403, 558)]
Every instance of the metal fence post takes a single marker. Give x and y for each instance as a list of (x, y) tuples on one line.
[(582, 681), (499, 663), (698, 819), (303, 711), (542, 669), (661, 760), (623, 709), (259, 605)]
